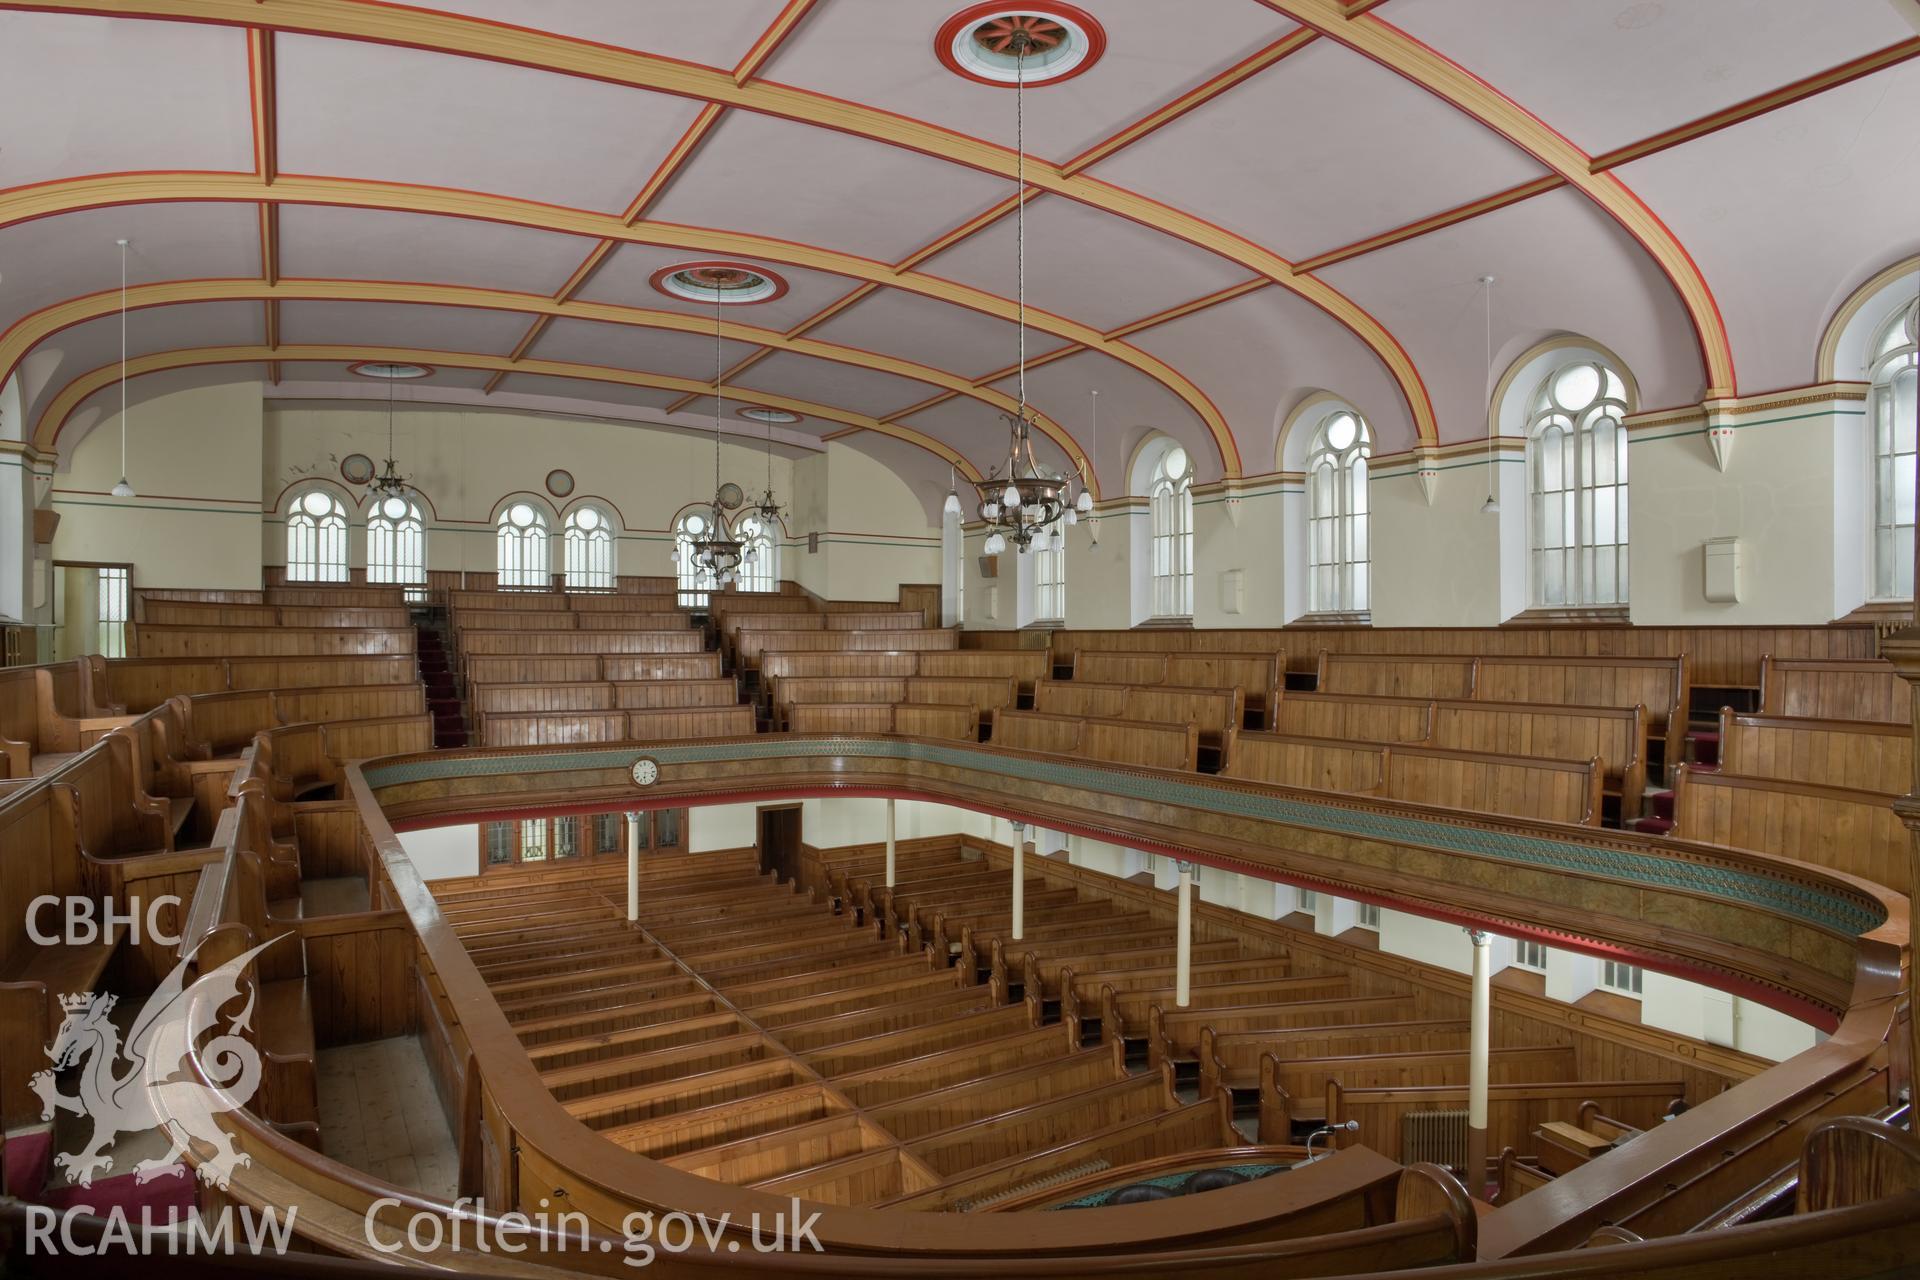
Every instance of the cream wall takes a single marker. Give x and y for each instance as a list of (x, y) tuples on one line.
[(466, 462), (1793, 494), (213, 467), (440, 853), (194, 459)]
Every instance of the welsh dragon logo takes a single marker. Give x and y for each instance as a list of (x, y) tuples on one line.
[(158, 1088)]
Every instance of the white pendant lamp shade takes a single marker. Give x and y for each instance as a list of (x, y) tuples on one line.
[(1084, 503), (123, 489), (996, 543), (1010, 499), (952, 505)]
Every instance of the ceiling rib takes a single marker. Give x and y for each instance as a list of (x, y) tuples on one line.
[(1400, 53), (71, 396)]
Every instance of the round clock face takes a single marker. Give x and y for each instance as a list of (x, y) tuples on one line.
[(646, 772)]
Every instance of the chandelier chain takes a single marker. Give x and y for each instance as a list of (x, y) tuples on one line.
[(1020, 41)]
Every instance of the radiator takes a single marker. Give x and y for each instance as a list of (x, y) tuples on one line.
[(1439, 1136)]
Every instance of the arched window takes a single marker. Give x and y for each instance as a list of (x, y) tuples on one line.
[(1891, 406), (1577, 468), (1170, 491), (1050, 578), (759, 553), (317, 538), (695, 580), (1338, 549), (396, 542), (589, 545), (521, 548)]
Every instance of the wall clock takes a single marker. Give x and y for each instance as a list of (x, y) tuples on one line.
[(559, 483), (646, 771), (356, 468)]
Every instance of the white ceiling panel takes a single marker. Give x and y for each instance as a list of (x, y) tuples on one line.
[(911, 327), (49, 260), (324, 242), (354, 109), (80, 350), (1086, 265), (388, 324), (621, 346), (82, 95), (1328, 149), (841, 386), (823, 187), (1606, 75)]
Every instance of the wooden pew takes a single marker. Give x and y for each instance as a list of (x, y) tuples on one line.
[(1232, 1060), (322, 672), (1292, 1090), (485, 644), (1353, 717), (553, 728), (1856, 832), (1834, 690), (917, 720), (1858, 755), (690, 722), (1513, 1110), (1514, 786), (156, 640), (1114, 741), (1025, 666), (1395, 676), (1661, 685), (1617, 736), (836, 665), (1173, 1034), (1257, 675)]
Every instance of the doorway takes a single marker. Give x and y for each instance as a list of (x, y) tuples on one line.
[(780, 841)]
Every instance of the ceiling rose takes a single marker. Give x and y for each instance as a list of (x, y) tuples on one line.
[(978, 42), (729, 283), (761, 413), (388, 372)]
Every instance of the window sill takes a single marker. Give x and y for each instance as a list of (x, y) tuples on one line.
[(1362, 618), (1601, 615), (1882, 613), (1164, 624)]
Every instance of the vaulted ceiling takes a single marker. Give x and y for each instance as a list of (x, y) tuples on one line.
[(1235, 203)]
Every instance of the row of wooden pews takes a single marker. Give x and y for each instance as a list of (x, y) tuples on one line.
[(1298, 1040), (550, 667), (1811, 776), (753, 1035)]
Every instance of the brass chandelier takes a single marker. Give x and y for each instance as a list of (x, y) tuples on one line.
[(1021, 501)]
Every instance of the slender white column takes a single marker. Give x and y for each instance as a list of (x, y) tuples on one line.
[(1183, 938), (633, 866), (890, 844), (1019, 880), (1479, 1036)]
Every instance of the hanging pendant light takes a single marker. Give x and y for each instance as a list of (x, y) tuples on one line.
[(952, 505), (1491, 506), (391, 488), (123, 489), (1020, 498), (718, 551)]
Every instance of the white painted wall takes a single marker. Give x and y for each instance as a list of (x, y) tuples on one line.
[(441, 853)]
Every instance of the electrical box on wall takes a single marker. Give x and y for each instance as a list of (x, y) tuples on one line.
[(1722, 557), (1233, 591)]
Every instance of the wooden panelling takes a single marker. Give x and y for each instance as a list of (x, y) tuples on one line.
[(1396, 677), (1859, 755), (1357, 718), (1852, 831), (157, 641), (1834, 690)]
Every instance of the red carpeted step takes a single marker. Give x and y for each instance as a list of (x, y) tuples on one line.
[(1653, 826), (1706, 748), (1662, 802)]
